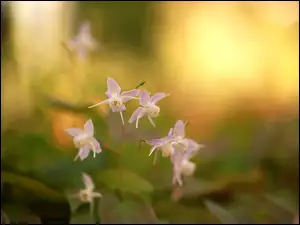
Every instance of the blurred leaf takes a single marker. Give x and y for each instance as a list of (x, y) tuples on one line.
[(82, 218), (125, 180), (4, 218), (281, 202), (136, 212), (195, 188), (32, 185), (18, 213), (222, 214)]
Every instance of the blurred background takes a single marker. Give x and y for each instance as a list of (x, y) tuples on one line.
[(232, 69)]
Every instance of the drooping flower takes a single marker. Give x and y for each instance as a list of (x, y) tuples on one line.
[(116, 99), (87, 195), (181, 160), (83, 42), (164, 144), (149, 107), (84, 140), (176, 137)]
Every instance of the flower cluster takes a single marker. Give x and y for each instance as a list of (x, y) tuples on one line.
[(175, 145), (180, 150)]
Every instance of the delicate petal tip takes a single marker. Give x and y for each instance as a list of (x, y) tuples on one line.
[(73, 131), (112, 87), (96, 145), (179, 128), (158, 96), (135, 115), (83, 153), (96, 195), (89, 127), (87, 180), (145, 98)]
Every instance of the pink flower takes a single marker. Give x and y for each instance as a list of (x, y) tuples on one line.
[(84, 140), (116, 99), (149, 107)]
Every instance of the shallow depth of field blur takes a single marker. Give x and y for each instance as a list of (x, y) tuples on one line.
[(232, 71)]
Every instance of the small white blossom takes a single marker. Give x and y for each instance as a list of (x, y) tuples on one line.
[(83, 42), (116, 99), (181, 160), (149, 107), (84, 140), (87, 194)]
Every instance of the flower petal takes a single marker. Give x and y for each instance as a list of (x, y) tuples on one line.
[(74, 131), (96, 145), (128, 95), (118, 108), (179, 129), (138, 113), (83, 153), (192, 145), (158, 96), (112, 87), (88, 182), (96, 195), (89, 127), (145, 98), (158, 141), (170, 132)]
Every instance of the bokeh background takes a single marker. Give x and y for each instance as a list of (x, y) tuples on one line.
[(232, 69)]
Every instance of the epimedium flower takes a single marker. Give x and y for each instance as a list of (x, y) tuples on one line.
[(83, 42), (87, 195), (164, 144), (149, 107), (181, 160), (84, 140), (176, 136), (116, 99)]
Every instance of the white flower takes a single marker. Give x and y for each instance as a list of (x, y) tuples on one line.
[(84, 140), (181, 160), (149, 107), (83, 42), (163, 144), (116, 99), (87, 194)]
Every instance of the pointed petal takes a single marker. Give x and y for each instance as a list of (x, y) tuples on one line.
[(83, 153), (145, 98), (112, 87), (170, 132), (74, 131), (128, 95), (96, 145), (179, 128), (158, 141), (88, 182), (138, 113), (158, 96), (89, 127), (100, 103), (96, 195)]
